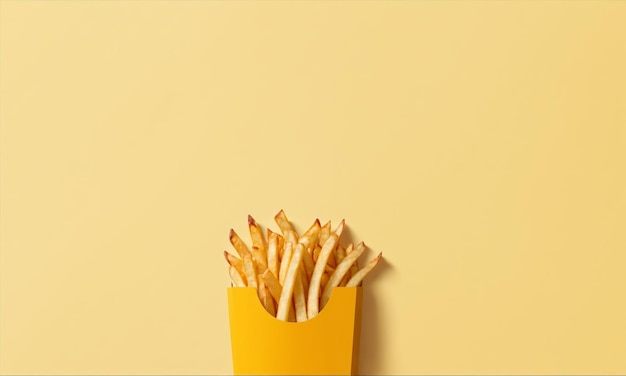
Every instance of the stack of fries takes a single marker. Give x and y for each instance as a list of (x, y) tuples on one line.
[(294, 274)]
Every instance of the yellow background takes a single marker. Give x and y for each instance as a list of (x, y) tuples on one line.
[(480, 145)]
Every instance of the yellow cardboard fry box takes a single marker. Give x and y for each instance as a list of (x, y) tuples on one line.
[(326, 344)]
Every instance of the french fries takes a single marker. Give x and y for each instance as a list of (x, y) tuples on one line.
[(236, 277), (358, 277), (294, 274), (316, 279), (272, 253), (340, 272), (289, 285)]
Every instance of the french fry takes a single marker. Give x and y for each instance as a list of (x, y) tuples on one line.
[(262, 294), (332, 258), (341, 254), (291, 316), (272, 284), (281, 246), (235, 263), (260, 256), (345, 279), (233, 260), (283, 223), (272, 253), (312, 234), (309, 265), (323, 282), (291, 237), (324, 234), (303, 276), (314, 286), (307, 258), (340, 272), (349, 248), (238, 244), (355, 267), (284, 263), (256, 234), (236, 277), (289, 284), (358, 277), (316, 252), (250, 270), (339, 230), (299, 298)]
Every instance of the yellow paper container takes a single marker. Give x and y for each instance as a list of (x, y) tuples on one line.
[(325, 344)]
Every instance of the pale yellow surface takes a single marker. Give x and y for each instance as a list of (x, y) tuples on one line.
[(480, 145)]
